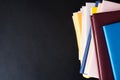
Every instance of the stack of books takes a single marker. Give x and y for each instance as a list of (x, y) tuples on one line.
[(97, 27)]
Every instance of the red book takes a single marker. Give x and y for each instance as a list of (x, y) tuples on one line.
[(98, 21)]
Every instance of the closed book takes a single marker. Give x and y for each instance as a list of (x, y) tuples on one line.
[(109, 6), (86, 34), (77, 20), (91, 58), (99, 20), (112, 37), (84, 38), (117, 1)]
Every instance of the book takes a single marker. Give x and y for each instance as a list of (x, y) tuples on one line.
[(99, 7), (116, 1), (86, 34), (83, 29), (92, 59), (94, 10), (111, 33), (98, 20), (77, 20), (86, 53), (109, 6)]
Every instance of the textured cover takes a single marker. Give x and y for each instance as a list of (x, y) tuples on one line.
[(113, 43), (98, 20), (109, 6)]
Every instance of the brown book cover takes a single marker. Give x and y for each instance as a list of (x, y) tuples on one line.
[(98, 21)]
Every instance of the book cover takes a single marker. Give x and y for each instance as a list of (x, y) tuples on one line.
[(109, 6), (86, 34), (99, 20), (112, 38), (77, 20), (92, 59)]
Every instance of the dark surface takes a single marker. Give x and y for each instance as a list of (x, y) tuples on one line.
[(37, 40)]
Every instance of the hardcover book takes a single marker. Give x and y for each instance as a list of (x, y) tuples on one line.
[(99, 20)]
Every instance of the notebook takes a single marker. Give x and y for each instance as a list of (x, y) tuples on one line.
[(98, 20), (92, 59), (77, 19), (109, 6), (78, 23), (85, 34), (112, 37), (117, 1)]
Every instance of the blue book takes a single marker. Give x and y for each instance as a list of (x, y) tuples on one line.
[(112, 36)]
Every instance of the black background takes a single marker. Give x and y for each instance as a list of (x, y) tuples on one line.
[(37, 40)]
